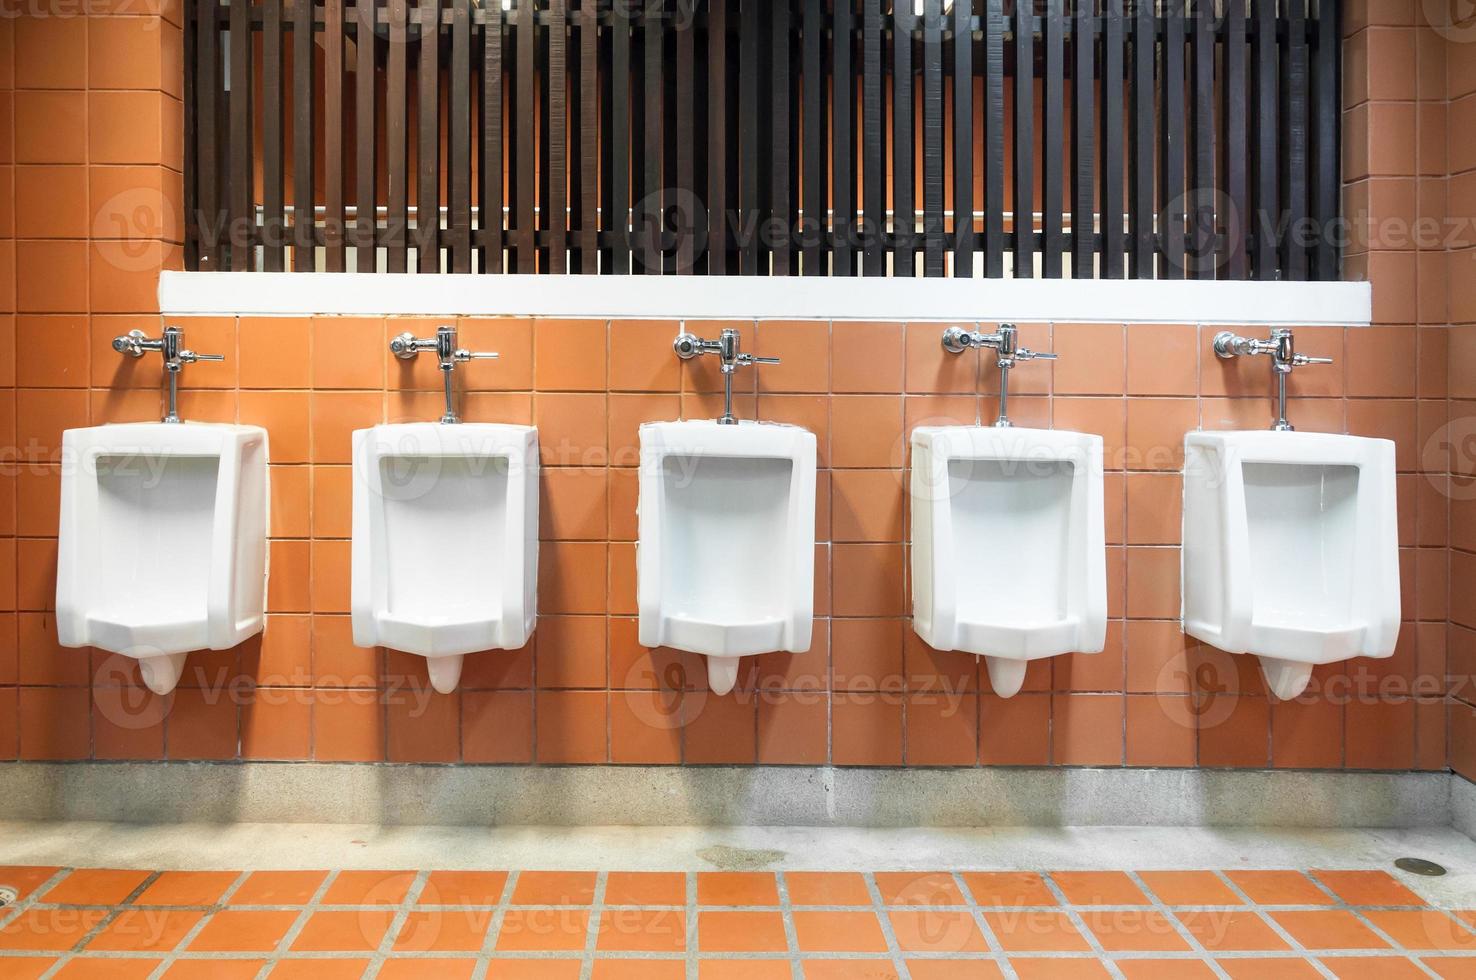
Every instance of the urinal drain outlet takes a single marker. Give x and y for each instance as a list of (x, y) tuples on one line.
[(1419, 866), (8, 896)]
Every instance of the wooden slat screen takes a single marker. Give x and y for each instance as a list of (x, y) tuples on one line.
[(976, 138)]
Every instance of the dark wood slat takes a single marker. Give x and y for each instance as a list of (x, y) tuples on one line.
[(618, 209), (1294, 174), (397, 141), (1083, 146), (524, 152), (1235, 150), (904, 141), (205, 77), (1327, 175), (587, 180), (843, 139), (750, 215), (490, 215), (1024, 198), (649, 219), (366, 153), (242, 189), (1201, 243), (459, 164), (932, 136), (1171, 198), (780, 181), (274, 234), (1140, 164), (873, 121), (963, 129), (190, 192), (812, 228), (684, 96), (1265, 208), (428, 149), (718, 172), (1111, 142), (334, 137), (994, 142), (303, 201), (1268, 149), (1053, 147), (556, 126)]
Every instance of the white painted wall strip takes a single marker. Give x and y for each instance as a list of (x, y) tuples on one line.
[(750, 298)]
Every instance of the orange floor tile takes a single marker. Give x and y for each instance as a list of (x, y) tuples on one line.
[(801, 925)]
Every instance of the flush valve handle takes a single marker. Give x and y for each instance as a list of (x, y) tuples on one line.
[(1282, 349), (726, 347), (407, 346), (136, 343), (1005, 340)]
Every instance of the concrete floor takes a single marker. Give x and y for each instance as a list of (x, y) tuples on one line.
[(312, 846)]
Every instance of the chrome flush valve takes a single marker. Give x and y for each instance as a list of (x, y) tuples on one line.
[(135, 343), (1006, 340), (726, 347), (1283, 352), (407, 346)]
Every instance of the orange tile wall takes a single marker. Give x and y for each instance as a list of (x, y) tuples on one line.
[(868, 693)]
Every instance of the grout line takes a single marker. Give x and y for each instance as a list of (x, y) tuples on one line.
[(1296, 948), (1179, 927), (990, 938), (494, 928), (879, 909), (295, 930), (786, 917), (689, 888), (397, 923), (108, 919), (1076, 920), (592, 927)]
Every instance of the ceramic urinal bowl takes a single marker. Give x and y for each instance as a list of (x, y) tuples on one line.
[(445, 540), (1290, 549), (726, 561), (1008, 555), (163, 546)]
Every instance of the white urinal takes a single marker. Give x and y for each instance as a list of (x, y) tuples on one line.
[(163, 545), (445, 540), (727, 541), (1008, 554), (1291, 549)]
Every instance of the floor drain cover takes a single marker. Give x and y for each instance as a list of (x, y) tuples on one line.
[(1419, 866), (7, 896)]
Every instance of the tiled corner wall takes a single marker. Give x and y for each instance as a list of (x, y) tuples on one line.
[(868, 693), (1410, 159), (91, 138), (1459, 49)]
